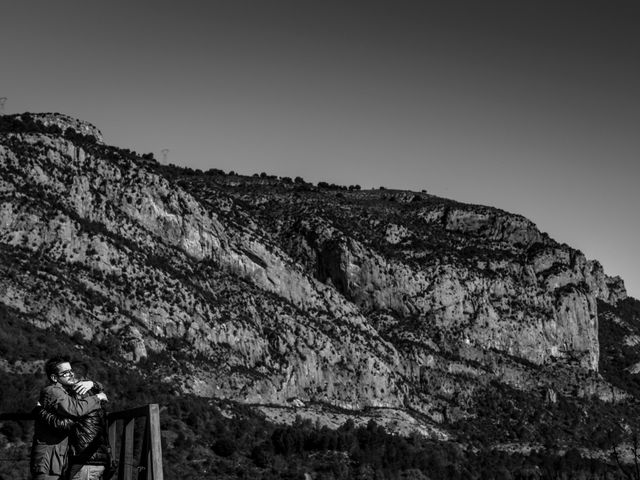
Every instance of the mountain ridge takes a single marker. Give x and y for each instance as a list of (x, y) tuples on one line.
[(291, 297)]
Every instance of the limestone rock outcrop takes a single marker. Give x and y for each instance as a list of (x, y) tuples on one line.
[(270, 290)]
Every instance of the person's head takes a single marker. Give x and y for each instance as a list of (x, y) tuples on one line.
[(58, 370)]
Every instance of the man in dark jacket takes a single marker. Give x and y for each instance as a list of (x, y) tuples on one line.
[(50, 445)]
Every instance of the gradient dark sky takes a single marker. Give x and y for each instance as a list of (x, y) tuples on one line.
[(532, 107)]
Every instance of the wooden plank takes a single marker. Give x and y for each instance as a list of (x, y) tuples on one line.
[(126, 452), (155, 442), (145, 455), (127, 414), (113, 432)]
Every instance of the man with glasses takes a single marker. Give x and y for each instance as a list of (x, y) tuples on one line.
[(50, 445)]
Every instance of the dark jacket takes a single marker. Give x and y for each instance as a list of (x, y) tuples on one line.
[(50, 445), (88, 437)]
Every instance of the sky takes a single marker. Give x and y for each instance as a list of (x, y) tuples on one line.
[(532, 107)]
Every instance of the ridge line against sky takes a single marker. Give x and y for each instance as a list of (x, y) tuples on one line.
[(533, 108)]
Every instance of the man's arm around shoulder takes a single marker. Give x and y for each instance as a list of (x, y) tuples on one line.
[(64, 403)]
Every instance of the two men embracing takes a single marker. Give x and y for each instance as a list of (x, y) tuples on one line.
[(70, 439)]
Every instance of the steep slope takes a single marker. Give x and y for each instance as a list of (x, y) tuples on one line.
[(399, 305), (95, 244), (476, 272)]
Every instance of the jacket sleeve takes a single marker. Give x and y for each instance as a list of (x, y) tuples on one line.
[(53, 420), (67, 405)]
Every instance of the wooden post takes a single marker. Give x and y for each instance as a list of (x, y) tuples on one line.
[(155, 444), (126, 450), (113, 438), (144, 472)]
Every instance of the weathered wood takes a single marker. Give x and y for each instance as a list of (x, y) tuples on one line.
[(130, 413), (155, 442), (126, 451), (113, 437), (150, 462), (144, 472)]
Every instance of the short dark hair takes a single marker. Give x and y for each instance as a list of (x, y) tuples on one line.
[(51, 366)]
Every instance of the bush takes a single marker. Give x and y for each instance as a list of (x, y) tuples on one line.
[(261, 455), (225, 447)]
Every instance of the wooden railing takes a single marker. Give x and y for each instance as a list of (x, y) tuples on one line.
[(134, 437), (122, 435)]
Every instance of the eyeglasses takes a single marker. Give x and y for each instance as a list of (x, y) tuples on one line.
[(66, 373)]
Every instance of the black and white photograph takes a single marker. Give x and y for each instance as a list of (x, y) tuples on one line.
[(320, 240)]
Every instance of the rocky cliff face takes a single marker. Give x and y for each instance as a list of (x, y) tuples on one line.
[(470, 274), (269, 290), (65, 121)]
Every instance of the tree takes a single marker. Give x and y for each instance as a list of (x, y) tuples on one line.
[(261, 455), (225, 447)]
